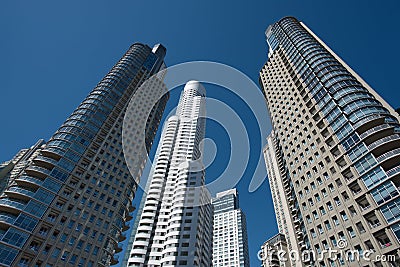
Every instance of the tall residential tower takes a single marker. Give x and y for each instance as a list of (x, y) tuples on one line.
[(175, 226), (70, 205), (230, 247), (334, 151)]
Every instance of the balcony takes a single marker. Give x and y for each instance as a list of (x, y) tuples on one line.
[(121, 237), (114, 260), (369, 122), (20, 191), (118, 248), (37, 171), (125, 227), (128, 217), (374, 225), (395, 138), (365, 207), (29, 180), (8, 219), (377, 133), (45, 161), (389, 159), (131, 208), (394, 171), (385, 245), (12, 204), (52, 152)]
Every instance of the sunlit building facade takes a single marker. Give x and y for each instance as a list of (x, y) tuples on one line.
[(334, 150)]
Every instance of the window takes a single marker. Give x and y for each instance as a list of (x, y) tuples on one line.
[(373, 177), (335, 220), (351, 232), (384, 192), (88, 247), (344, 216), (56, 252), (95, 250), (327, 225), (391, 211), (15, 237), (65, 256), (365, 163), (73, 259), (357, 151), (80, 244)]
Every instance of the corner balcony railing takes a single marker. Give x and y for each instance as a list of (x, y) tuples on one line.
[(389, 154), (367, 119), (11, 203), (37, 169), (20, 191), (49, 161), (374, 225), (114, 260), (384, 140), (375, 130), (29, 179), (7, 219), (393, 171), (53, 152)]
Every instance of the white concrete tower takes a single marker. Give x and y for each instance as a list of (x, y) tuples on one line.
[(175, 227)]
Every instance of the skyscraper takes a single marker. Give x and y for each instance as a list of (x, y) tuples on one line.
[(335, 150), (70, 205), (175, 226), (230, 247)]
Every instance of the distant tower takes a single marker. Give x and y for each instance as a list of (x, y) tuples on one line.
[(175, 226), (333, 157), (230, 245), (69, 206)]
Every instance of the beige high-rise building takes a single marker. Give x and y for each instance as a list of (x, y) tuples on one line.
[(333, 157)]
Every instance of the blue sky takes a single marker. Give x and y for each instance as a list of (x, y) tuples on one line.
[(53, 53)]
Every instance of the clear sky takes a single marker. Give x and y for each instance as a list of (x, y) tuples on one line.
[(54, 52)]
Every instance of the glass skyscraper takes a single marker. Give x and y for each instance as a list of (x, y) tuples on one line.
[(333, 157), (230, 247), (70, 205), (175, 223)]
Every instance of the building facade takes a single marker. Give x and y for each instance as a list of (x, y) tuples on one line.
[(12, 168), (335, 144), (230, 244), (175, 226), (274, 252), (70, 205), (282, 198)]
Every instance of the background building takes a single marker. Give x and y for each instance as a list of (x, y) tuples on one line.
[(230, 246), (70, 204), (12, 168), (271, 252), (175, 226), (336, 142)]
